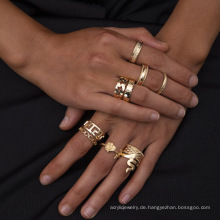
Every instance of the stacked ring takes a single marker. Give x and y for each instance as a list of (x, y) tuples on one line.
[(128, 90), (163, 84), (143, 75), (92, 131), (120, 87), (136, 51)]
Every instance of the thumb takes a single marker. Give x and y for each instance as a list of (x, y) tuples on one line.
[(143, 35), (72, 116)]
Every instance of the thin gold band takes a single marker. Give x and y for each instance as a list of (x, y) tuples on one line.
[(164, 84), (143, 75)]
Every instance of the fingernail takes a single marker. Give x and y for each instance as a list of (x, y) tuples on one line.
[(66, 210), (161, 42), (181, 112), (155, 116), (193, 81), (64, 122), (125, 199), (89, 212), (45, 180), (194, 101)]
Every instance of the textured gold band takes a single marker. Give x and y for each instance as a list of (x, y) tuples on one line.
[(164, 84), (128, 90), (136, 51), (120, 87), (143, 75), (134, 157), (92, 131)]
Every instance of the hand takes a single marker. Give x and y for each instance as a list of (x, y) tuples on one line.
[(75, 74), (153, 136)]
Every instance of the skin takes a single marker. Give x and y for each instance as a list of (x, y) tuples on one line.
[(152, 137), (58, 65), (34, 53)]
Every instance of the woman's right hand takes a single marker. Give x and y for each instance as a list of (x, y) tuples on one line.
[(80, 70)]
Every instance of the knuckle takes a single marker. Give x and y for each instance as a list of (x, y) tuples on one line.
[(116, 109), (102, 196), (106, 38), (97, 59), (120, 169), (185, 96), (78, 145), (78, 192), (142, 31), (56, 164), (155, 81), (141, 96), (102, 165), (158, 59)]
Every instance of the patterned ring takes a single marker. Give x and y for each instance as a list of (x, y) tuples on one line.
[(136, 51), (92, 131), (134, 157), (120, 87)]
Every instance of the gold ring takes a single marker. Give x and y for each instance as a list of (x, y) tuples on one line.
[(120, 87), (110, 147), (128, 90), (164, 84), (136, 51), (134, 156), (92, 131), (143, 75)]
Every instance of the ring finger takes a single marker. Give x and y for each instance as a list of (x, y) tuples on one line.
[(105, 190), (173, 90), (94, 173)]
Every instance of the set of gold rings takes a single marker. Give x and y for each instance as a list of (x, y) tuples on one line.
[(123, 90), (124, 86), (95, 134)]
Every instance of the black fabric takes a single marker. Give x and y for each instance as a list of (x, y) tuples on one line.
[(187, 173)]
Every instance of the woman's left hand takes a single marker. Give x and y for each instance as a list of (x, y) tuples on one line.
[(152, 136)]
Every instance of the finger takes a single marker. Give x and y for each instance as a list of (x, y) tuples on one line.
[(157, 60), (105, 190), (144, 170), (72, 116), (113, 106), (143, 35), (145, 97), (76, 148), (94, 173), (175, 91)]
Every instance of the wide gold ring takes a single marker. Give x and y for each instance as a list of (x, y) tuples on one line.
[(134, 157), (120, 87), (92, 131), (163, 84), (143, 75), (128, 90), (136, 51)]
